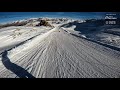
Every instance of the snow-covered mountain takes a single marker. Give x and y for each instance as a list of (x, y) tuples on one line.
[(59, 48)]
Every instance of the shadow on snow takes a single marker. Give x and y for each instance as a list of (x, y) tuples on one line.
[(19, 71)]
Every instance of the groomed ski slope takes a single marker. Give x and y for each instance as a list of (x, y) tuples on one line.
[(59, 54)]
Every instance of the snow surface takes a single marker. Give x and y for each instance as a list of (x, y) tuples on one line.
[(60, 52)]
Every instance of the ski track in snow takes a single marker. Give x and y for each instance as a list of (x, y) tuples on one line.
[(58, 54)]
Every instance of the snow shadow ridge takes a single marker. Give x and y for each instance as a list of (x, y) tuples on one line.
[(100, 43), (19, 71)]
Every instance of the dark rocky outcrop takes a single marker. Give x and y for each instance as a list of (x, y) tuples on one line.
[(44, 23)]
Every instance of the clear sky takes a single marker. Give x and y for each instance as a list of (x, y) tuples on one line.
[(13, 16)]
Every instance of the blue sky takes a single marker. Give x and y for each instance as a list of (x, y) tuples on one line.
[(13, 16)]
